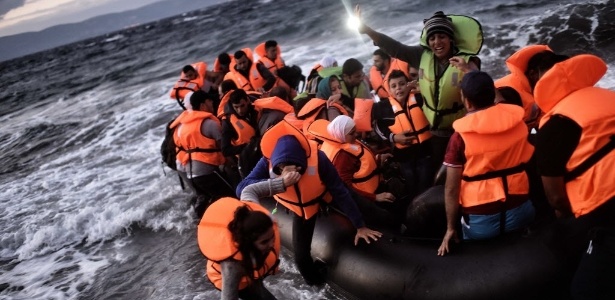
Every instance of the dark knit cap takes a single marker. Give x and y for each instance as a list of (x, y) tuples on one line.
[(478, 87), (439, 22)]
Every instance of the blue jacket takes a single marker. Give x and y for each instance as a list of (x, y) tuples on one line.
[(288, 150)]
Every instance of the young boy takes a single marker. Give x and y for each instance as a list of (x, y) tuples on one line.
[(400, 120)]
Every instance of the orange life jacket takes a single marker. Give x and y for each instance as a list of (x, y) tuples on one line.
[(568, 89), (244, 130), (411, 120), (273, 66), (496, 149), (191, 144), (380, 84), (258, 81), (217, 244), (222, 104), (272, 103), (304, 197), (241, 81), (363, 114), (184, 86), (248, 53), (312, 109), (292, 119), (517, 64), (367, 177)]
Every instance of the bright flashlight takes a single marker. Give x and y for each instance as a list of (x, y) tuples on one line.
[(353, 23)]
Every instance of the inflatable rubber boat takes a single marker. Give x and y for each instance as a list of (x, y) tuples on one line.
[(513, 266)]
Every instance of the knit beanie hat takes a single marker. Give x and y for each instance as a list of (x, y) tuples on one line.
[(439, 22)]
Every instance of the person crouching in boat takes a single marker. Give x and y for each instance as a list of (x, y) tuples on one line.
[(358, 168), (241, 241), (486, 160), (286, 150)]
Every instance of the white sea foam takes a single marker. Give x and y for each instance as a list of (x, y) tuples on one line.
[(73, 215)]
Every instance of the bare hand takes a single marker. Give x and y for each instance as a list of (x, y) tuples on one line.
[(357, 14), (289, 173), (444, 247), (459, 63), (385, 197), (414, 86), (366, 234), (334, 99), (384, 157), (290, 178)]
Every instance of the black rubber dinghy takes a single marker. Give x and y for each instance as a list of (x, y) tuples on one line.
[(513, 266)]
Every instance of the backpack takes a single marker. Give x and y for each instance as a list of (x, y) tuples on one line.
[(168, 147)]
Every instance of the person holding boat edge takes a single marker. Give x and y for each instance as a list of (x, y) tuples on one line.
[(486, 160), (286, 150)]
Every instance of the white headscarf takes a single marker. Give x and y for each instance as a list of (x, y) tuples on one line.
[(340, 127), (328, 61)]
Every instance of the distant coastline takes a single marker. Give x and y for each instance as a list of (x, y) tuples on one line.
[(19, 45)]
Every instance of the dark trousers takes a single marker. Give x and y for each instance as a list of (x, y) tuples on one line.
[(303, 230), (591, 269), (418, 173), (374, 215), (209, 188), (256, 291), (438, 148), (595, 276)]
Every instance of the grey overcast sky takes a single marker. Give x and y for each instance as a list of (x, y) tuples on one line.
[(18, 16)]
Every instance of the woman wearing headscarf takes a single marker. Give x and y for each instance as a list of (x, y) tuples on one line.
[(357, 166), (327, 104)]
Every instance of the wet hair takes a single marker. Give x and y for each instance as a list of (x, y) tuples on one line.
[(238, 95), (199, 97), (188, 68), (510, 95), (270, 43), (382, 54), (247, 226), (224, 59), (239, 54), (228, 85), (351, 65), (397, 74), (279, 92)]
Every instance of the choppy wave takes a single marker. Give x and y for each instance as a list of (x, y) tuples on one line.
[(86, 202)]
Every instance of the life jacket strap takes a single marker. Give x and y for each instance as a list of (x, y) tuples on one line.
[(447, 111), (202, 150), (497, 173), (366, 178), (591, 160)]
